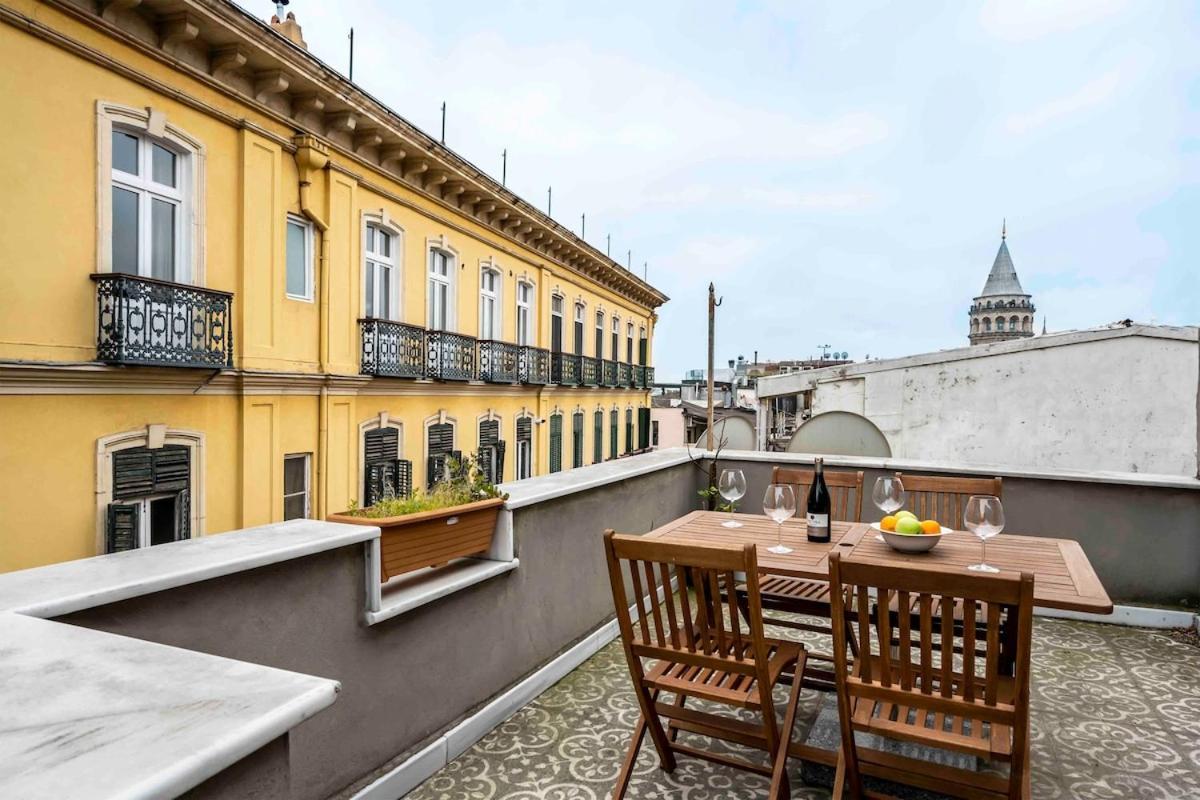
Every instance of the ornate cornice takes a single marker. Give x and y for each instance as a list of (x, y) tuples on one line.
[(219, 44)]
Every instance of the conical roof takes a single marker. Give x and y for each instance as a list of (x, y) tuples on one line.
[(1003, 277)]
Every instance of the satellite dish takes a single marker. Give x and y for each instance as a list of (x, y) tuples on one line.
[(737, 433), (845, 355)]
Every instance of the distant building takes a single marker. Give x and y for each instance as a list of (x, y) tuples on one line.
[(1122, 398), (1003, 310)]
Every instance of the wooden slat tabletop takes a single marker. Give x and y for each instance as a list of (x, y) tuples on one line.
[(1063, 576)]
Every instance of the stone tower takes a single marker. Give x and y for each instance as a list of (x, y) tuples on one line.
[(1003, 310)]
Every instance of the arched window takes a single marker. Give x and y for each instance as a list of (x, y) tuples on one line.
[(524, 446), (599, 334), (439, 448), (1013, 324), (579, 315), (1026, 324), (525, 313), (616, 338), (999, 323), (975, 326), (598, 437), (613, 423), (556, 442), (629, 342), (577, 439), (381, 281), (440, 312), (490, 454), (490, 315), (987, 325)]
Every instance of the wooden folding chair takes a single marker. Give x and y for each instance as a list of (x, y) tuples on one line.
[(699, 651), (811, 597), (932, 700)]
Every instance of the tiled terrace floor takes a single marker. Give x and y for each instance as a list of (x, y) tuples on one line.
[(1116, 714)]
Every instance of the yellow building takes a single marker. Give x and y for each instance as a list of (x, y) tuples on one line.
[(235, 289)]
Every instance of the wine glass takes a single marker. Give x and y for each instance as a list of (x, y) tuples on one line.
[(733, 487), (888, 493), (984, 517), (779, 503)]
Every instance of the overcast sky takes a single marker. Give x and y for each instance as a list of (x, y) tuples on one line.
[(839, 170)]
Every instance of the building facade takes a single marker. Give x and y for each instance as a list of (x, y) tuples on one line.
[(268, 295), (1003, 310)]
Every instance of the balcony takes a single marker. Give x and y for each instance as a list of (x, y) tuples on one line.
[(145, 321), (533, 366), (589, 371), (624, 375), (564, 369), (392, 349), (608, 374), (1113, 707), (449, 356), (499, 362), (639, 377), (649, 382)]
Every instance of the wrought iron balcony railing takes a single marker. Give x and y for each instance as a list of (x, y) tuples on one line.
[(533, 366), (639, 377), (449, 356), (392, 349), (564, 369), (608, 373), (499, 362), (160, 323), (624, 374), (649, 377), (589, 371)]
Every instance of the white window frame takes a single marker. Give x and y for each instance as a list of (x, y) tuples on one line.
[(579, 325), (526, 329), (630, 353), (529, 446), (496, 298), (603, 333), (306, 224), (151, 124), (373, 260), (307, 490), (449, 281)]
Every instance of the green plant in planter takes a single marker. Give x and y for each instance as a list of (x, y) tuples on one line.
[(465, 483)]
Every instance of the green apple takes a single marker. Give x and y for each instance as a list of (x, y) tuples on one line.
[(906, 513), (908, 526)]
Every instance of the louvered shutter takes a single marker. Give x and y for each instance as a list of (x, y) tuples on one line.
[(381, 444), (380, 476), (375, 481), (403, 483), (441, 444), (577, 440), (124, 520), (132, 473), (172, 469), (628, 430), (183, 515), (499, 462), (524, 429), (612, 434), (556, 443), (598, 437), (380, 465), (642, 352), (643, 428)]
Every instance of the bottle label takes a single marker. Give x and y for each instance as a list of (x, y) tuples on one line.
[(818, 525)]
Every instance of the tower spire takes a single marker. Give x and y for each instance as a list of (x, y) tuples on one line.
[(1004, 229)]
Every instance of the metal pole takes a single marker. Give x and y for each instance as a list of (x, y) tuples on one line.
[(583, 226), (608, 245), (504, 168), (712, 314), (443, 122), (549, 199), (352, 54)]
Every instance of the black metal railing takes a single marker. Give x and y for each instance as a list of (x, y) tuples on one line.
[(392, 349), (499, 362), (533, 366), (649, 377), (624, 374), (589, 371), (564, 369), (449, 356), (608, 373), (160, 323), (639, 377)]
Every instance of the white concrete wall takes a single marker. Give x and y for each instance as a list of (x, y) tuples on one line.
[(1119, 402)]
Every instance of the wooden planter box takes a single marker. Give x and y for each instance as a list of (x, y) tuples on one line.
[(431, 538)]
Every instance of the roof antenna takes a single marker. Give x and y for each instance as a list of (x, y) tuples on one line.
[(280, 6), (504, 167), (549, 199), (608, 245), (583, 226), (443, 122), (352, 55)]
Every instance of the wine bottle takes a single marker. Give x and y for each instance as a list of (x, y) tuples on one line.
[(818, 506)]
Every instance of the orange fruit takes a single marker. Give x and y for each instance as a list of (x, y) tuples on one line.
[(930, 526), (888, 523)]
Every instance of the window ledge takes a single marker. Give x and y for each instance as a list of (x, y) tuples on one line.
[(407, 592)]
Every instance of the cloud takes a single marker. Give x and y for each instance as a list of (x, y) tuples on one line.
[(1094, 93), (1025, 20), (829, 200)]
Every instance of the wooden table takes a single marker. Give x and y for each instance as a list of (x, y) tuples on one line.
[(1063, 576)]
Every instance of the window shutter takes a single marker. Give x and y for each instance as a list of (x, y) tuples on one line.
[(577, 440), (381, 444), (643, 428), (642, 352), (133, 473), (396, 474), (556, 443), (628, 430), (524, 429), (598, 437), (612, 434), (499, 462), (435, 470), (183, 515), (441, 438), (172, 469), (375, 480), (489, 432), (123, 524)]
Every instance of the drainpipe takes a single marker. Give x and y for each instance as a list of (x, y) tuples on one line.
[(313, 157)]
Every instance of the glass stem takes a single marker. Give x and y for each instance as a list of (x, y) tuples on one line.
[(781, 534), (983, 543)]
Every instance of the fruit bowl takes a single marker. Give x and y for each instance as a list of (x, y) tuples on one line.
[(910, 542)]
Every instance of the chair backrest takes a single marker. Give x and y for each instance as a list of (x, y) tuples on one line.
[(943, 498), (931, 681), (845, 490), (704, 631)]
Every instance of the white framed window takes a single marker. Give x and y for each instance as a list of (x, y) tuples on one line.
[(599, 334), (579, 316), (616, 338), (381, 278), (148, 205), (440, 311), (629, 342), (525, 313), (299, 253), (556, 323), (490, 315), (296, 494)]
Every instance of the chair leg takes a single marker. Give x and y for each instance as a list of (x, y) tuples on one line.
[(780, 787), (673, 733), (839, 777), (666, 756), (635, 744)]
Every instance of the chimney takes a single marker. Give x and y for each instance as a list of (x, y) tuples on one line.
[(288, 28)]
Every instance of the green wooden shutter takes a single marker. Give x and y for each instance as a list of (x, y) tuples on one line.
[(643, 428), (382, 475), (577, 440), (381, 444), (441, 447), (500, 448), (598, 437), (183, 515), (132, 473), (556, 443), (172, 469), (124, 521), (612, 434), (628, 430)]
